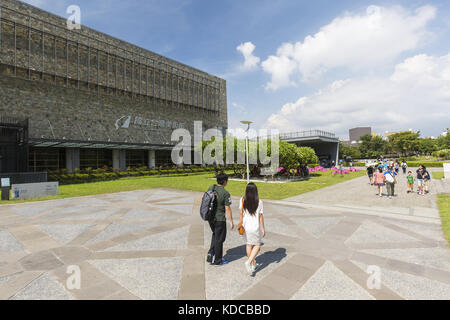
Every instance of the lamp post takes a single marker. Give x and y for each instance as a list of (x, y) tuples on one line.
[(248, 123)]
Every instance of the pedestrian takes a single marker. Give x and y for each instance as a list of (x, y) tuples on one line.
[(370, 174), (404, 166), (390, 181), (410, 182), (396, 166), (380, 180), (426, 179), (380, 165), (420, 181), (252, 221), (218, 224)]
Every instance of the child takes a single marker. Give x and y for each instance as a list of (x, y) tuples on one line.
[(410, 179), (253, 222)]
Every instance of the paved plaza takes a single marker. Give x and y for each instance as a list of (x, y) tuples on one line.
[(151, 244)]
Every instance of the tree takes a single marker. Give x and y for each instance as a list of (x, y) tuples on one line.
[(428, 146), (349, 151), (289, 158), (443, 141), (372, 147), (306, 155), (405, 142)]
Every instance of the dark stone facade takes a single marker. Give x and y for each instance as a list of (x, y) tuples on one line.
[(83, 85)]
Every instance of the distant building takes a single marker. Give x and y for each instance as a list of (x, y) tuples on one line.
[(355, 134)]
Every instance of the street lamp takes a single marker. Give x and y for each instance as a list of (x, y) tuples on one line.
[(248, 123)]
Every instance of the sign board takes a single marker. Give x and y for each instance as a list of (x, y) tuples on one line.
[(5, 182), (447, 170), (34, 190)]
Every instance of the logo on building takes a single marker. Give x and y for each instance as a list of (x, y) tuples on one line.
[(125, 124), (146, 124)]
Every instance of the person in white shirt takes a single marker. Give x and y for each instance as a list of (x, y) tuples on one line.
[(252, 220)]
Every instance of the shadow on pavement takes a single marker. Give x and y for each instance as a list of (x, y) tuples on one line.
[(270, 257), (235, 253), (264, 259)]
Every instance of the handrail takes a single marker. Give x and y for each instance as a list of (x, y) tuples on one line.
[(302, 134)]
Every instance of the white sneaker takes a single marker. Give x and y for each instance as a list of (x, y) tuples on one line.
[(249, 268)]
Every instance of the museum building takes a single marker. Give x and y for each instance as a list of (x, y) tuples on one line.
[(80, 98)]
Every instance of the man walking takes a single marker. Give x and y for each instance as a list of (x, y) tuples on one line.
[(218, 223), (390, 181)]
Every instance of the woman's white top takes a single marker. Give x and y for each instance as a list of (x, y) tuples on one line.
[(251, 222)]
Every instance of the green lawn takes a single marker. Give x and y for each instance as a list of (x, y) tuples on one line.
[(201, 182), (437, 175), (444, 209)]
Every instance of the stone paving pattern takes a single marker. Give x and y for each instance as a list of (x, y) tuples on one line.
[(151, 244)]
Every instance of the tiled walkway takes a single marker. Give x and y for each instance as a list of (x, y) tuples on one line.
[(151, 244)]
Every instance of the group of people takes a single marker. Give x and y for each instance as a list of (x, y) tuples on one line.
[(384, 174), (251, 220)]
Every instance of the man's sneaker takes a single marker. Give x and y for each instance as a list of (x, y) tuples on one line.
[(221, 262), (249, 267), (209, 258)]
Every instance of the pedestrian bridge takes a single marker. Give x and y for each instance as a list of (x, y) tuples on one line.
[(325, 143)]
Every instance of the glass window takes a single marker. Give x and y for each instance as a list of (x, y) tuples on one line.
[(46, 159), (136, 158), (95, 158)]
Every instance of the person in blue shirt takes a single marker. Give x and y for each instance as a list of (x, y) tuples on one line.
[(390, 174)]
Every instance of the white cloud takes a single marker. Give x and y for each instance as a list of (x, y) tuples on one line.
[(416, 95), (251, 61), (353, 41), (239, 107)]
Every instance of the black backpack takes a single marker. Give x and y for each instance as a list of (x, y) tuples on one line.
[(209, 205)]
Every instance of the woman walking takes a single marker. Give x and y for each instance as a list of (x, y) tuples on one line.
[(380, 181), (370, 170), (420, 181), (252, 220), (426, 179)]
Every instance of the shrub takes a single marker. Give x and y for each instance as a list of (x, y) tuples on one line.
[(431, 164), (359, 164), (445, 153)]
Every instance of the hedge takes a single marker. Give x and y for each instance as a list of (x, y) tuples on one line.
[(431, 164), (96, 175), (359, 164)]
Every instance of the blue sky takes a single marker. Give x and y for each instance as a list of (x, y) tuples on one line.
[(384, 64)]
